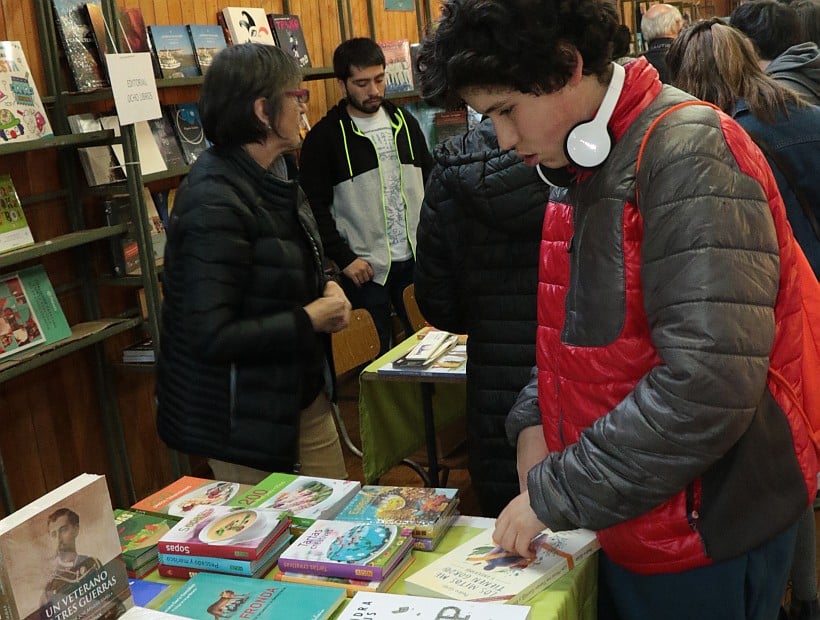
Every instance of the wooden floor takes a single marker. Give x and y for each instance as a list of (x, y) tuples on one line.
[(401, 475)]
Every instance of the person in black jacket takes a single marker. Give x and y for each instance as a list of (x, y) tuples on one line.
[(244, 366), (476, 273)]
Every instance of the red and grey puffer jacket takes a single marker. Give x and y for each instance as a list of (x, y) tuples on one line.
[(658, 323)]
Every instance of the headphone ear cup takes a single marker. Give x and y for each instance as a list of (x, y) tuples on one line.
[(588, 144)]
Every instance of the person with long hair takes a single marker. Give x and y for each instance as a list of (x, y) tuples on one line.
[(718, 64)]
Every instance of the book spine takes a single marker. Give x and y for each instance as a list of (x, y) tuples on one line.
[(536, 586), (176, 572), (332, 569), (198, 548), (220, 565)]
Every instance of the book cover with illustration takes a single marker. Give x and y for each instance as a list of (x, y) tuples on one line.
[(425, 510), (125, 249), (303, 498), (78, 43), (259, 567), (207, 40), (347, 549), (224, 532), (166, 138), (382, 606), (248, 24), (14, 230), (227, 597), (30, 313), (135, 34), (139, 534), (287, 30), (480, 570), (398, 70), (60, 557), (350, 585), (184, 494), (174, 51), (188, 127), (22, 114)]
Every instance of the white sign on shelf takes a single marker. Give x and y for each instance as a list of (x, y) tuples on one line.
[(134, 87)]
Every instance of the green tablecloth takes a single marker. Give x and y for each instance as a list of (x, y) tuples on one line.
[(391, 419), (572, 597)]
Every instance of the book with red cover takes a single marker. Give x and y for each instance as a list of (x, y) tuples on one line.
[(224, 532)]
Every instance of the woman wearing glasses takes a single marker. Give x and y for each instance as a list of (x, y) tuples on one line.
[(243, 370)]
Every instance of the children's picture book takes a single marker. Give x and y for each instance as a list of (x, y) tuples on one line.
[(480, 570), (350, 585), (248, 24), (383, 606), (99, 163), (227, 597), (30, 314), (60, 556), (189, 130), (287, 30), (166, 138), (183, 495), (139, 534), (224, 532), (427, 511), (349, 549), (398, 72), (146, 592), (14, 230), (258, 567), (303, 498), (207, 40), (134, 32), (78, 43), (22, 115), (174, 51)]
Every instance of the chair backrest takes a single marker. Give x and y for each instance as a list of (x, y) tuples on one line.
[(356, 344), (411, 306)]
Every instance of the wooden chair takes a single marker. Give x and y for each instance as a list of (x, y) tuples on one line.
[(411, 306), (353, 347)]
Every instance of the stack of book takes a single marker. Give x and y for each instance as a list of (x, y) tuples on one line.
[(428, 512), (141, 352), (301, 498), (343, 554), (223, 539), (139, 534)]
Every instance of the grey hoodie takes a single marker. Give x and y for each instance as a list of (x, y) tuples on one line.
[(798, 68)]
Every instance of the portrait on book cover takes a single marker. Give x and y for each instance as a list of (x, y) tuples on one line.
[(19, 327)]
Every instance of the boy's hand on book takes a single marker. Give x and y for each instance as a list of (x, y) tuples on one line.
[(517, 525)]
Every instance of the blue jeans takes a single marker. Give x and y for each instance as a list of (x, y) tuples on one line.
[(377, 299), (748, 587)]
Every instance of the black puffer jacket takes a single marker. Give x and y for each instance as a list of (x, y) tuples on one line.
[(476, 273), (239, 358)]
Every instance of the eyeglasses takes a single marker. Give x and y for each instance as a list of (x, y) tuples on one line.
[(301, 95)]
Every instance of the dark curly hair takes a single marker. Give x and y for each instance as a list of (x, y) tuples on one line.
[(526, 45)]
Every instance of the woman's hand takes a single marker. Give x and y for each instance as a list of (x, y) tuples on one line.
[(331, 312)]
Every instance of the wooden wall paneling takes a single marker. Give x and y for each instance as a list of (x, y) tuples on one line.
[(359, 26)]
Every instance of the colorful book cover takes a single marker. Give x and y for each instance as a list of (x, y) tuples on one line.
[(125, 251), (134, 31), (167, 141), (233, 566), (78, 43), (14, 230), (382, 606), (425, 543), (350, 585), (146, 591), (227, 597), (141, 571), (398, 72), (224, 531), (189, 130), (248, 24), (22, 115), (207, 42), (347, 549), (139, 534), (287, 30), (480, 570), (60, 557), (181, 496), (423, 509), (303, 498), (30, 314), (174, 51)]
